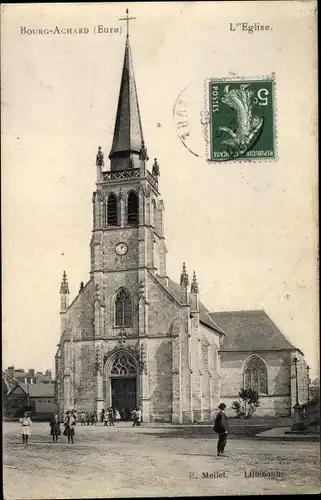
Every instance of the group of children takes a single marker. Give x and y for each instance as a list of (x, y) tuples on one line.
[(108, 417), (55, 431), (88, 418), (220, 424)]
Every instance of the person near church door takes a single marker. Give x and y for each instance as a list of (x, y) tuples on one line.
[(111, 417), (55, 427), (117, 416), (82, 418), (221, 428), (69, 423), (93, 418), (136, 417)]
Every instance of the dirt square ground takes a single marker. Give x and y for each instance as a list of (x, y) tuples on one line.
[(123, 461)]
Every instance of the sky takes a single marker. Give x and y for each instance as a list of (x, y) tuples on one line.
[(249, 230)]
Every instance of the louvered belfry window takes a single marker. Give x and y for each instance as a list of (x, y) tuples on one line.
[(255, 375), (112, 210), (132, 209), (123, 309)]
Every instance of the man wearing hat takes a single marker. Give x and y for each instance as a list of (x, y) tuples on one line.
[(221, 427)]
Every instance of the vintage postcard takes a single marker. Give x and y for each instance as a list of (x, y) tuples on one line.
[(160, 256)]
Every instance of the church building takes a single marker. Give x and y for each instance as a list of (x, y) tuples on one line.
[(132, 337)]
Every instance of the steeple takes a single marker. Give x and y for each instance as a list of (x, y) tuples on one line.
[(128, 134)]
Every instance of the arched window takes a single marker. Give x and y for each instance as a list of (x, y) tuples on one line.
[(132, 209), (123, 365), (112, 210), (123, 309), (255, 375)]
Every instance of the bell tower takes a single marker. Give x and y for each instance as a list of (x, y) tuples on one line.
[(128, 235), (127, 211)]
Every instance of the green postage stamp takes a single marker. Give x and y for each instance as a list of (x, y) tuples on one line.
[(241, 123)]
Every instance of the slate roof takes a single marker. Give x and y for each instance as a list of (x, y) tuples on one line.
[(9, 381), (250, 331), (38, 390), (205, 317), (128, 134)]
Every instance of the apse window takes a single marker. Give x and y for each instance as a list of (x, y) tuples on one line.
[(255, 375)]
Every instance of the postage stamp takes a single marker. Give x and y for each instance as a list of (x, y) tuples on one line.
[(241, 119)]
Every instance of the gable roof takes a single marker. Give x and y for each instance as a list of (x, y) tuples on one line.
[(39, 390), (205, 317), (79, 293), (250, 331), (35, 390), (10, 382)]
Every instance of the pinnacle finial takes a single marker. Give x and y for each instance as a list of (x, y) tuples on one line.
[(64, 288), (155, 170), (100, 157), (143, 152), (194, 284), (184, 277)]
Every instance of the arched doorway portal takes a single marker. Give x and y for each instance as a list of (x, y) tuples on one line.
[(123, 383)]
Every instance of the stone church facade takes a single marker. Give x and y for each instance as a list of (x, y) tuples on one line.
[(132, 337)]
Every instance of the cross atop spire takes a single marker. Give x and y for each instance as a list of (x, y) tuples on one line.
[(127, 19)]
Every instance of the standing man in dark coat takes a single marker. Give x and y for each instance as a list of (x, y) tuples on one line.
[(55, 427), (221, 427)]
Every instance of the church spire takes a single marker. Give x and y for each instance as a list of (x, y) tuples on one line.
[(128, 134)]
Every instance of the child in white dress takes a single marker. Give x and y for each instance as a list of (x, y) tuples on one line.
[(25, 427)]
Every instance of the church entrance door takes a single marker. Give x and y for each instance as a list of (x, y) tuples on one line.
[(123, 391), (123, 383)]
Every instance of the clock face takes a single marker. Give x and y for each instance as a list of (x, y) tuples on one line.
[(121, 248)]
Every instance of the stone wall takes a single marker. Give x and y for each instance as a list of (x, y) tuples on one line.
[(278, 399), (81, 314), (84, 376), (160, 379), (302, 379)]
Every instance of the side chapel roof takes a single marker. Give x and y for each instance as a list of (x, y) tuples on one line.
[(250, 331)]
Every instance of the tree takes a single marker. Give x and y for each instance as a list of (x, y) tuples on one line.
[(251, 398), (238, 408)]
